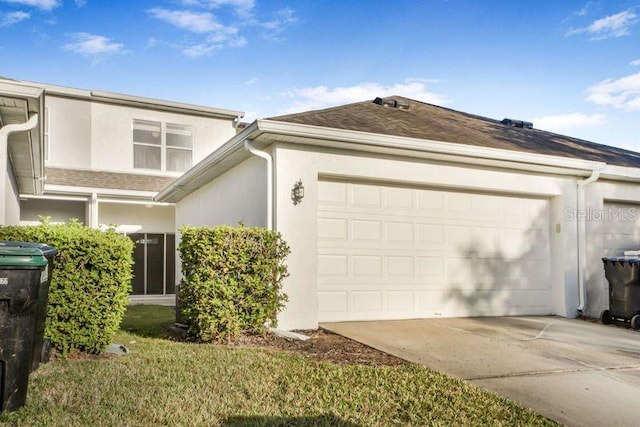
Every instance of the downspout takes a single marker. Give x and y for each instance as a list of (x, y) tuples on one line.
[(5, 131), (582, 238), (266, 156)]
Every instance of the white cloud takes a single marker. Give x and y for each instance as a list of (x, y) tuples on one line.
[(81, 3), (635, 63), (317, 97), (564, 122), (218, 36), (251, 81), (11, 18), (281, 19), (196, 22), (623, 93), (40, 4), (93, 45), (584, 11), (611, 26)]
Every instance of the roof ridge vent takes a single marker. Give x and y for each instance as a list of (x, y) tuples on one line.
[(517, 123), (391, 103)]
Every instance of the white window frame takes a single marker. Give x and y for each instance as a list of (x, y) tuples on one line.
[(163, 145), (46, 138)]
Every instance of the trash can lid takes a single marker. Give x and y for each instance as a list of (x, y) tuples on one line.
[(622, 259), (46, 249), (21, 257)]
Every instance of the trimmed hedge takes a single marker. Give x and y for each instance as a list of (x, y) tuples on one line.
[(90, 283), (232, 280)]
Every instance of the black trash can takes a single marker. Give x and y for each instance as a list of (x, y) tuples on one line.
[(22, 271), (41, 346), (623, 275)]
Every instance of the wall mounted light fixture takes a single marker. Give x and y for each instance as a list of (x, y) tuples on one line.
[(297, 192)]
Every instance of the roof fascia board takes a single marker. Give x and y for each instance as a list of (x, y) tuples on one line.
[(364, 140), (141, 102), (64, 189), (620, 173), (194, 177), (200, 174), (17, 89)]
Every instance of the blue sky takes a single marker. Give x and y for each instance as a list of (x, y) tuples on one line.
[(572, 67)]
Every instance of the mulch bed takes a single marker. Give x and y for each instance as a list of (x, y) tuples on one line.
[(322, 346)]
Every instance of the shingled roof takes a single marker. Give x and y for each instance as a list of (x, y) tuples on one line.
[(427, 121), (110, 180)]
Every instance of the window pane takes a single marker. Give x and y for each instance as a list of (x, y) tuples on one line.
[(178, 136), (145, 157), (178, 160), (146, 132)]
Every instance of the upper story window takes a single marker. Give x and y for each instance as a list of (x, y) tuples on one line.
[(162, 146)]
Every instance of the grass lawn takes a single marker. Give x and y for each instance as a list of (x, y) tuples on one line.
[(171, 383)]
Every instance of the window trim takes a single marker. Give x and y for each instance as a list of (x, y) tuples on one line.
[(46, 137), (162, 146)]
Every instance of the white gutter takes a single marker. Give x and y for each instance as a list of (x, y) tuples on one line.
[(266, 156), (582, 238), (370, 139), (5, 131)]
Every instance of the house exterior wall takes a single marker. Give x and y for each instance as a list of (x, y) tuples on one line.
[(598, 197), (151, 219), (69, 122), (11, 203), (111, 132), (238, 195), (298, 224), (86, 134)]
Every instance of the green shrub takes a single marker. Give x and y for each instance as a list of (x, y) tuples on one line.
[(90, 284), (232, 280)]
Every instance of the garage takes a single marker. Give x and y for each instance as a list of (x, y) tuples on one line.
[(393, 252), (398, 209)]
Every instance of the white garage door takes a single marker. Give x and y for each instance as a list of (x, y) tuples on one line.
[(388, 252), (620, 228)]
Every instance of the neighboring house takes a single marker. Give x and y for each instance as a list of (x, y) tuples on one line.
[(106, 155), (412, 210)]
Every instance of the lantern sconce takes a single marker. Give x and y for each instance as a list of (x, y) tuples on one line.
[(297, 192)]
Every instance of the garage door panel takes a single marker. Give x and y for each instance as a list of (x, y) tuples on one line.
[(366, 195), (366, 230), (402, 198), (391, 252), (333, 229), (333, 193)]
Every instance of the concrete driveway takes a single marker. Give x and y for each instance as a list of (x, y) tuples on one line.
[(572, 371)]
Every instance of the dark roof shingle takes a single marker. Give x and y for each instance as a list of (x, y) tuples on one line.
[(426, 121), (110, 180)]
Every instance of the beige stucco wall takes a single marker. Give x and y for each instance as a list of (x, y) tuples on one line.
[(598, 195), (11, 204), (150, 219), (94, 135), (238, 195), (69, 132), (298, 224)]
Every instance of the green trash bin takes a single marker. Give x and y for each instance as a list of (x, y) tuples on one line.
[(22, 271), (41, 345)]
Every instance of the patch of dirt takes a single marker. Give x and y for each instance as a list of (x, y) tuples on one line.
[(322, 346)]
